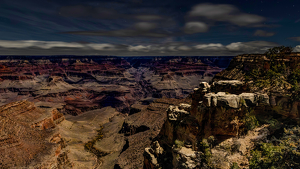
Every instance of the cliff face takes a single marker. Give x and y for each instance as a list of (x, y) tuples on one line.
[(247, 103), (222, 117), (29, 135), (242, 64)]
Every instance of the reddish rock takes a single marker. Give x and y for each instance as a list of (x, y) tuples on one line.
[(21, 142)]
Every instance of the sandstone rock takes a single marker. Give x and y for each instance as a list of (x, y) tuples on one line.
[(28, 135), (222, 99), (174, 113), (204, 86), (185, 106), (152, 155), (235, 101), (186, 158), (230, 86), (228, 82)]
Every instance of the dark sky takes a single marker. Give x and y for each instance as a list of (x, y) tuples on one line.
[(152, 27)]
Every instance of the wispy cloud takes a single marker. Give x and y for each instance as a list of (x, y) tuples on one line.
[(54, 44), (295, 38), (195, 27), (224, 13)]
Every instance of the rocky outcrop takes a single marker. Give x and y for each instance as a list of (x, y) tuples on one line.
[(185, 158), (235, 101), (230, 86), (178, 112), (153, 155), (217, 114)]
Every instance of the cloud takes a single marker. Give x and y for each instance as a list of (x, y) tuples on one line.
[(195, 27), (145, 26), (252, 46), (246, 19), (33, 47), (225, 13), (295, 38), (139, 48), (263, 33), (172, 48), (210, 46), (184, 48), (297, 48), (54, 44), (212, 11)]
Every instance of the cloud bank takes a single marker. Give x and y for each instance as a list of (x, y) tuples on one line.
[(32, 47)]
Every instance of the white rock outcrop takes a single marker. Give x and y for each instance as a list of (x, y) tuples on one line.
[(235, 101), (175, 112)]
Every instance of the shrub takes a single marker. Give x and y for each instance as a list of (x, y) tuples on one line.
[(89, 146), (235, 166), (211, 141), (179, 144), (206, 155), (250, 121), (279, 153)]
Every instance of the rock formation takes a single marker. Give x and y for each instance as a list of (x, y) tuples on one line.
[(30, 137), (229, 117), (212, 114)]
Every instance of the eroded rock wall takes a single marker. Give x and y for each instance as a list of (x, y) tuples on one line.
[(212, 113)]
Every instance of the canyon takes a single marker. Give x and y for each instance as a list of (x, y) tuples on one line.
[(91, 112), (151, 112)]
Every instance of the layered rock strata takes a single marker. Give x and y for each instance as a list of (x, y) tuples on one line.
[(85, 84), (29, 136)]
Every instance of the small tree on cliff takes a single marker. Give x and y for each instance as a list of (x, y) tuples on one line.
[(279, 50)]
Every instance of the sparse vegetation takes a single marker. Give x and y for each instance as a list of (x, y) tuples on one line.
[(281, 152), (89, 146), (179, 144), (277, 75), (206, 155), (235, 166), (250, 121)]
